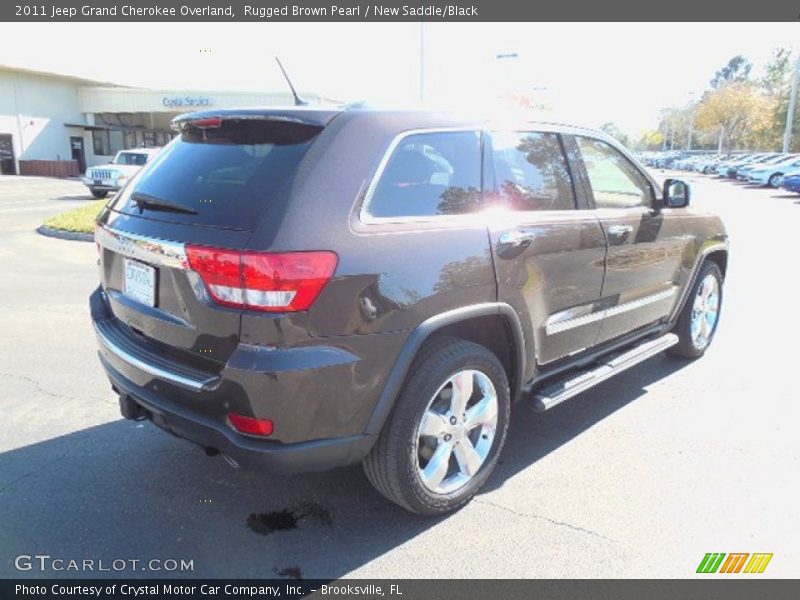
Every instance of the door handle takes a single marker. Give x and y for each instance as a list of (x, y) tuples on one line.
[(620, 231), (516, 238)]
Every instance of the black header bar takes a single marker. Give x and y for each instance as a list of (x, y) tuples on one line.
[(392, 10), (712, 588)]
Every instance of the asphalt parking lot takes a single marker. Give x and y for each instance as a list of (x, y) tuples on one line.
[(639, 477)]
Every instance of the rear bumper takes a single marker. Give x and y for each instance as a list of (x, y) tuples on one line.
[(272, 457), (320, 397)]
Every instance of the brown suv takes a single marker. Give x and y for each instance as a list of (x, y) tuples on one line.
[(303, 289)]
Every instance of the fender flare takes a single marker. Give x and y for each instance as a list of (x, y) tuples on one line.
[(424, 330), (712, 247)]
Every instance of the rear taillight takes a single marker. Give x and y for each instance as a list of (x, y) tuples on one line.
[(266, 281), (250, 426)]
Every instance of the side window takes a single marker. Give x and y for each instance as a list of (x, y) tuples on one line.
[(531, 171), (437, 173), (616, 182)]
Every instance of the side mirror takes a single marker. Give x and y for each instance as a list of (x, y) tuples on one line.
[(676, 193)]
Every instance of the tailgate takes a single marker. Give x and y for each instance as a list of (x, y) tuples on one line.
[(151, 290), (209, 187)]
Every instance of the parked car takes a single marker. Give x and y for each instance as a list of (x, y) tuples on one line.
[(772, 175), (708, 163), (110, 177), (712, 165), (791, 182), (735, 160), (744, 170), (303, 289), (728, 169)]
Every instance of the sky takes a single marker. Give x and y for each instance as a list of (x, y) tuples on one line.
[(589, 73)]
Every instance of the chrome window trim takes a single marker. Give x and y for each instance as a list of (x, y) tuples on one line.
[(196, 385), (564, 321), (163, 253), (518, 215), (363, 213)]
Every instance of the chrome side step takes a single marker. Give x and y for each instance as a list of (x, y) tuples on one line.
[(567, 388)]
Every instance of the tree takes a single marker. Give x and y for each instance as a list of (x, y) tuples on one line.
[(650, 140), (777, 72), (615, 132), (776, 84), (736, 71), (739, 111), (674, 126)]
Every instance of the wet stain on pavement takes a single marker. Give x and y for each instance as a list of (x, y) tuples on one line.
[(289, 572), (277, 520), (288, 518)]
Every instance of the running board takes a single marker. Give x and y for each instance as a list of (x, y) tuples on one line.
[(565, 389)]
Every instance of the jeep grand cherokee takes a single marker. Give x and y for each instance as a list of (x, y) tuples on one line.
[(303, 289)]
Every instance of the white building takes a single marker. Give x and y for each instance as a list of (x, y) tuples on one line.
[(53, 124)]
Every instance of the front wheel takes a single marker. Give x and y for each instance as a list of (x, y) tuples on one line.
[(446, 431), (699, 317), (774, 180)]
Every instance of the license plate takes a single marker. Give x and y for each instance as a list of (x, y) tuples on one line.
[(140, 282), (108, 182), (98, 182)]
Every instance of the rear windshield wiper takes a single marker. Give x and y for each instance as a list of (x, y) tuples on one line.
[(153, 203)]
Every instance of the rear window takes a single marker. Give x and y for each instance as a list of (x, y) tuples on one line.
[(223, 176)]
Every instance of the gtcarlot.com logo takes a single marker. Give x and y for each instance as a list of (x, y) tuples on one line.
[(735, 562), (46, 562)]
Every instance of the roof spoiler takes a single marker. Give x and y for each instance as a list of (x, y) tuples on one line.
[(209, 119)]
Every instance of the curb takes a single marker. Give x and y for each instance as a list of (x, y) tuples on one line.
[(64, 235)]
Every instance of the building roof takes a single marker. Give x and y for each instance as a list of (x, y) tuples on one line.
[(73, 78)]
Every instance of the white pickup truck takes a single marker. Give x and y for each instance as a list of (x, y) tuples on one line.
[(110, 177)]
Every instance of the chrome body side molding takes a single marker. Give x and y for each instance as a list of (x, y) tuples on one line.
[(570, 319)]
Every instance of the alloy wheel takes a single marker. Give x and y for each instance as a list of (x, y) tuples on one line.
[(705, 311), (456, 431)]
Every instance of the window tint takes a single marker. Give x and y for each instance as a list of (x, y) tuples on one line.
[(531, 172), (130, 158), (616, 183), (227, 176), (430, 174)]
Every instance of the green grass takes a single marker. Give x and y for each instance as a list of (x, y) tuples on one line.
[(80, 220)]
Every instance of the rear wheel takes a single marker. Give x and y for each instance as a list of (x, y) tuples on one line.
[(99, 193), (775, 180), (446, 431), (699, 317)]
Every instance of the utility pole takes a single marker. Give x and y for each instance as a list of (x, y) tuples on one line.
[(422, 61), (692, 109), (787, 136)]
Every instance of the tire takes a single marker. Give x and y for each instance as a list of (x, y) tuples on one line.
[(395, 464), (773, 180), (99, 194), (693, 342)]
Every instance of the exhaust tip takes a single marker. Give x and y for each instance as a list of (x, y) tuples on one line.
[(131, 410), (211, 451)]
